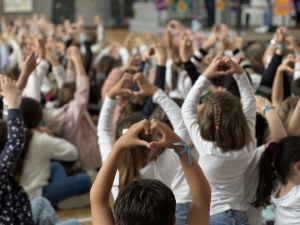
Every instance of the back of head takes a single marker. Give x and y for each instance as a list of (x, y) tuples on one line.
[(223, 122), (65, 94), (132, 159), (32, 116), (145, 202), (296, 87), (106, 64), (270, 169)]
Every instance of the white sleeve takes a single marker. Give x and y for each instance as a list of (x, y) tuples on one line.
[(61, 149), (59, 73), (189, 111), (297, 71), (248, 100), (169, 65), (173, 112), (100, 33), (13, 58), (124, 54), (106, 135)]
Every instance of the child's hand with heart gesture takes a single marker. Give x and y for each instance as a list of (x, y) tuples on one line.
[(168, 136), (213, 70), (119, 87), (131, 138), (146, 89)]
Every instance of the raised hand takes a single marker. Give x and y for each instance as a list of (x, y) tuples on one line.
[(73, 54), (119, 87), (131, 138), (146, 89), (29, 64), (9, 91), (168, 135), (286, 64), (213, 38), (160, 54), (184, 48), (132, 64)]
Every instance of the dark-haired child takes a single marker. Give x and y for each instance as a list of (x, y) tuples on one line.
[(148, 202)]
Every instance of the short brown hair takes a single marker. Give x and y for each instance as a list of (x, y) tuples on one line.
[(223, 121)]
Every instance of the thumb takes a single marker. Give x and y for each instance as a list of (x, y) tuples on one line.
[(156, 145), (138, 93), (125, 90)]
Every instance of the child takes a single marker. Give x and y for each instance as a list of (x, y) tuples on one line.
[(225, 139), (15, 206), (279, 180), (106, 141), (148, 202)]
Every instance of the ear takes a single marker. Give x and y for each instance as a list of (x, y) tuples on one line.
[(297, 168)]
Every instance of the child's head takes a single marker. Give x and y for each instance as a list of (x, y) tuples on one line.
[(132, 159), (65, 94), (32, 116), (145, 202), (223, 121), (296, 87), (279, 161), (107, 63)]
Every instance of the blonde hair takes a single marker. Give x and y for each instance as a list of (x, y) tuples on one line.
[(217, 123)]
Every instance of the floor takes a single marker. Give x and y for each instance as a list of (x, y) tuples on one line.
[(83, 215)]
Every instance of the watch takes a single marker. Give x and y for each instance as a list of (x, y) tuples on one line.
[(273, 42)]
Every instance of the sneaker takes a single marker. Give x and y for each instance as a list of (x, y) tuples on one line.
[(79, 201), (261, 30)]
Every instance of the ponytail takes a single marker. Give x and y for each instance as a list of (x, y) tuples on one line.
[(267, 176), (17, 171)]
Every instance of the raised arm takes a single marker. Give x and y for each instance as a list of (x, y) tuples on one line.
[(293, 128), (16, 136), (278, 85), (4, 57), (277, 130), (57, 69), (198, 184)]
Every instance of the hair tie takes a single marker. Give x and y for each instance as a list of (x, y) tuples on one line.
[(273, 149), (217, 127), (186, 149), (124, 131)]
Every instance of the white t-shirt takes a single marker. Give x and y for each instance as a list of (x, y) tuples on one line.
[(225, 172), (167, 167), (287, 208)]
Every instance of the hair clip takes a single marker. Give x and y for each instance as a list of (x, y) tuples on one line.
[(124, 131), (273, 149), (186, 149), (217, 127)]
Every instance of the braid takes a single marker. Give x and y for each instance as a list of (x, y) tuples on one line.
[(217, 112)]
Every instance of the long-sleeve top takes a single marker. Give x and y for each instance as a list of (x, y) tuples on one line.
[(14, 203), (35, 81), (159, 82), (184, 83), (14, 56), (166, 166), (42, 149), (73, 123), (4, 58), (226, 176)]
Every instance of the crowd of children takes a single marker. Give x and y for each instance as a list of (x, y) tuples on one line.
[(186, 130)]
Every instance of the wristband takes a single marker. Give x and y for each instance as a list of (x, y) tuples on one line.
[(281, 47), (186, 149), (266, 109), (273, 43)]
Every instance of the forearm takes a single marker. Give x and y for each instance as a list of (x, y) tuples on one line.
[(277, 90), (277, 130), (270, 73), (79, 67), (293, 127), (101, 189)]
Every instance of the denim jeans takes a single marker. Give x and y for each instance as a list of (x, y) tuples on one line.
[(268, 15), (210, 5), (61, 186), (229, 217), (44, 214), (181, 213)]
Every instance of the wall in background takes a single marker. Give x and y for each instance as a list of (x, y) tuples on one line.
[(87, 8)]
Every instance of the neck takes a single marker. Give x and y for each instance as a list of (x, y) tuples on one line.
[(286, 188)]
